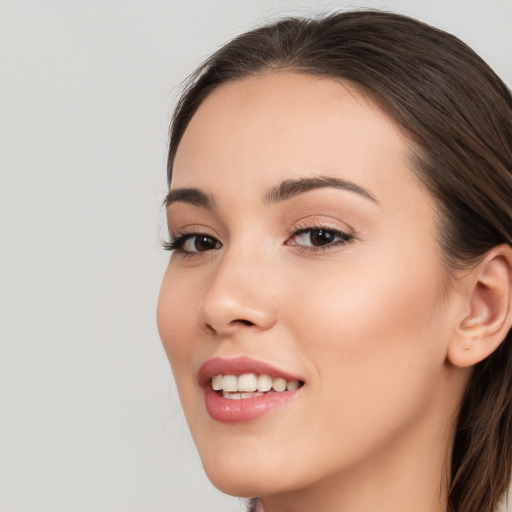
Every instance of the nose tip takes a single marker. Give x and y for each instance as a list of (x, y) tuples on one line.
[(240, 292), (226, 309)]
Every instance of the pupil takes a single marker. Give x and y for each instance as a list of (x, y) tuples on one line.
[(204, 243), (321, 237)]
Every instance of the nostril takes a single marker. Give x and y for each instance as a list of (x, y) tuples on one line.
[(239, 321), (210, 329), (244, 322)]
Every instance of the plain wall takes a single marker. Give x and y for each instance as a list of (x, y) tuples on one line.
[(89, 416)]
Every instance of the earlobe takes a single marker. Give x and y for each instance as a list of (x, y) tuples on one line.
[(487, 317)]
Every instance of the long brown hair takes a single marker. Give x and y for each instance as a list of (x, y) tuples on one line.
[(458, 114)]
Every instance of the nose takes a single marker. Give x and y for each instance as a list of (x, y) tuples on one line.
[(239, 296)]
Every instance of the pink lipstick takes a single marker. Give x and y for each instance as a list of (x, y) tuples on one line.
[(241, 389)]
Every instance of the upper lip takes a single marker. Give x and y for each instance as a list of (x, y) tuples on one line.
[(239, 366)]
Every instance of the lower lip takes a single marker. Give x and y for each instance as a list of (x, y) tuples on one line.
[(246, 409)]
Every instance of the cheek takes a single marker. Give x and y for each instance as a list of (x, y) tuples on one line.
[(375, 336), (178, 303), (366, 305), (176, 320)]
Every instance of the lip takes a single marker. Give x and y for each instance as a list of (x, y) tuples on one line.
[(248, 409)]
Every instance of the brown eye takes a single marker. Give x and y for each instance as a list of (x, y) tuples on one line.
[(192, 243), (319, 237), (200, 243)]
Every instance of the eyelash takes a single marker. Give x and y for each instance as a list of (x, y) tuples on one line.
[(344, 238), (177, 241)]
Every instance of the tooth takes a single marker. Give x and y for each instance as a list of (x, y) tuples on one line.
[(292, 384), (217, 382), (231, 396), (247, 382), (279, 384), (264, 383), (230, 383)]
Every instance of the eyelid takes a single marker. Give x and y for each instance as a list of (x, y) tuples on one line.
[(306, 225), (190, 228), (177, 237), (345, 237), (183, 235)]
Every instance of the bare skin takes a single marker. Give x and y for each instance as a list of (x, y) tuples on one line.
[(341, 285)]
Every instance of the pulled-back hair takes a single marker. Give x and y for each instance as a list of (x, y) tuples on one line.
[(458, 116)]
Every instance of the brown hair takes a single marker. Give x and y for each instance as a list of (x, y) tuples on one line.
[(458, 114)]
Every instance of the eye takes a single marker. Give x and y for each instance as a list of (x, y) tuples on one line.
[(318, 237), (192, 243)]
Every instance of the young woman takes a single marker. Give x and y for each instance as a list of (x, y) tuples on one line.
[(336, 309)]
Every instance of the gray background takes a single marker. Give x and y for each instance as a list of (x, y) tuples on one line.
[(89, 417)]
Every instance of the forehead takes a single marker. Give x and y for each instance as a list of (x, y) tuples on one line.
[(260, 130)]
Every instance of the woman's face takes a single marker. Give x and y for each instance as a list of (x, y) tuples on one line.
[(305, 252)]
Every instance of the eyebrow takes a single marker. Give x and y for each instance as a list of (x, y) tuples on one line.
[(291, 188), (188, 195), (281, 192)]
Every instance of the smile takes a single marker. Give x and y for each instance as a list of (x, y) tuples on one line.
[(243, 389), (250, 385)]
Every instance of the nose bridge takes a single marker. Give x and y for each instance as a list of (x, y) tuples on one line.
[(238, 295)]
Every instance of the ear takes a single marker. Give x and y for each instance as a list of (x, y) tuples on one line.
[(486, 316)]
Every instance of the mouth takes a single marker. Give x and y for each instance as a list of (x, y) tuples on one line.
[(243, 389), (251, 385)]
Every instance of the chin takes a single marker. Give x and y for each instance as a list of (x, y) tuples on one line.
[(246, 476), (235, 486)]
